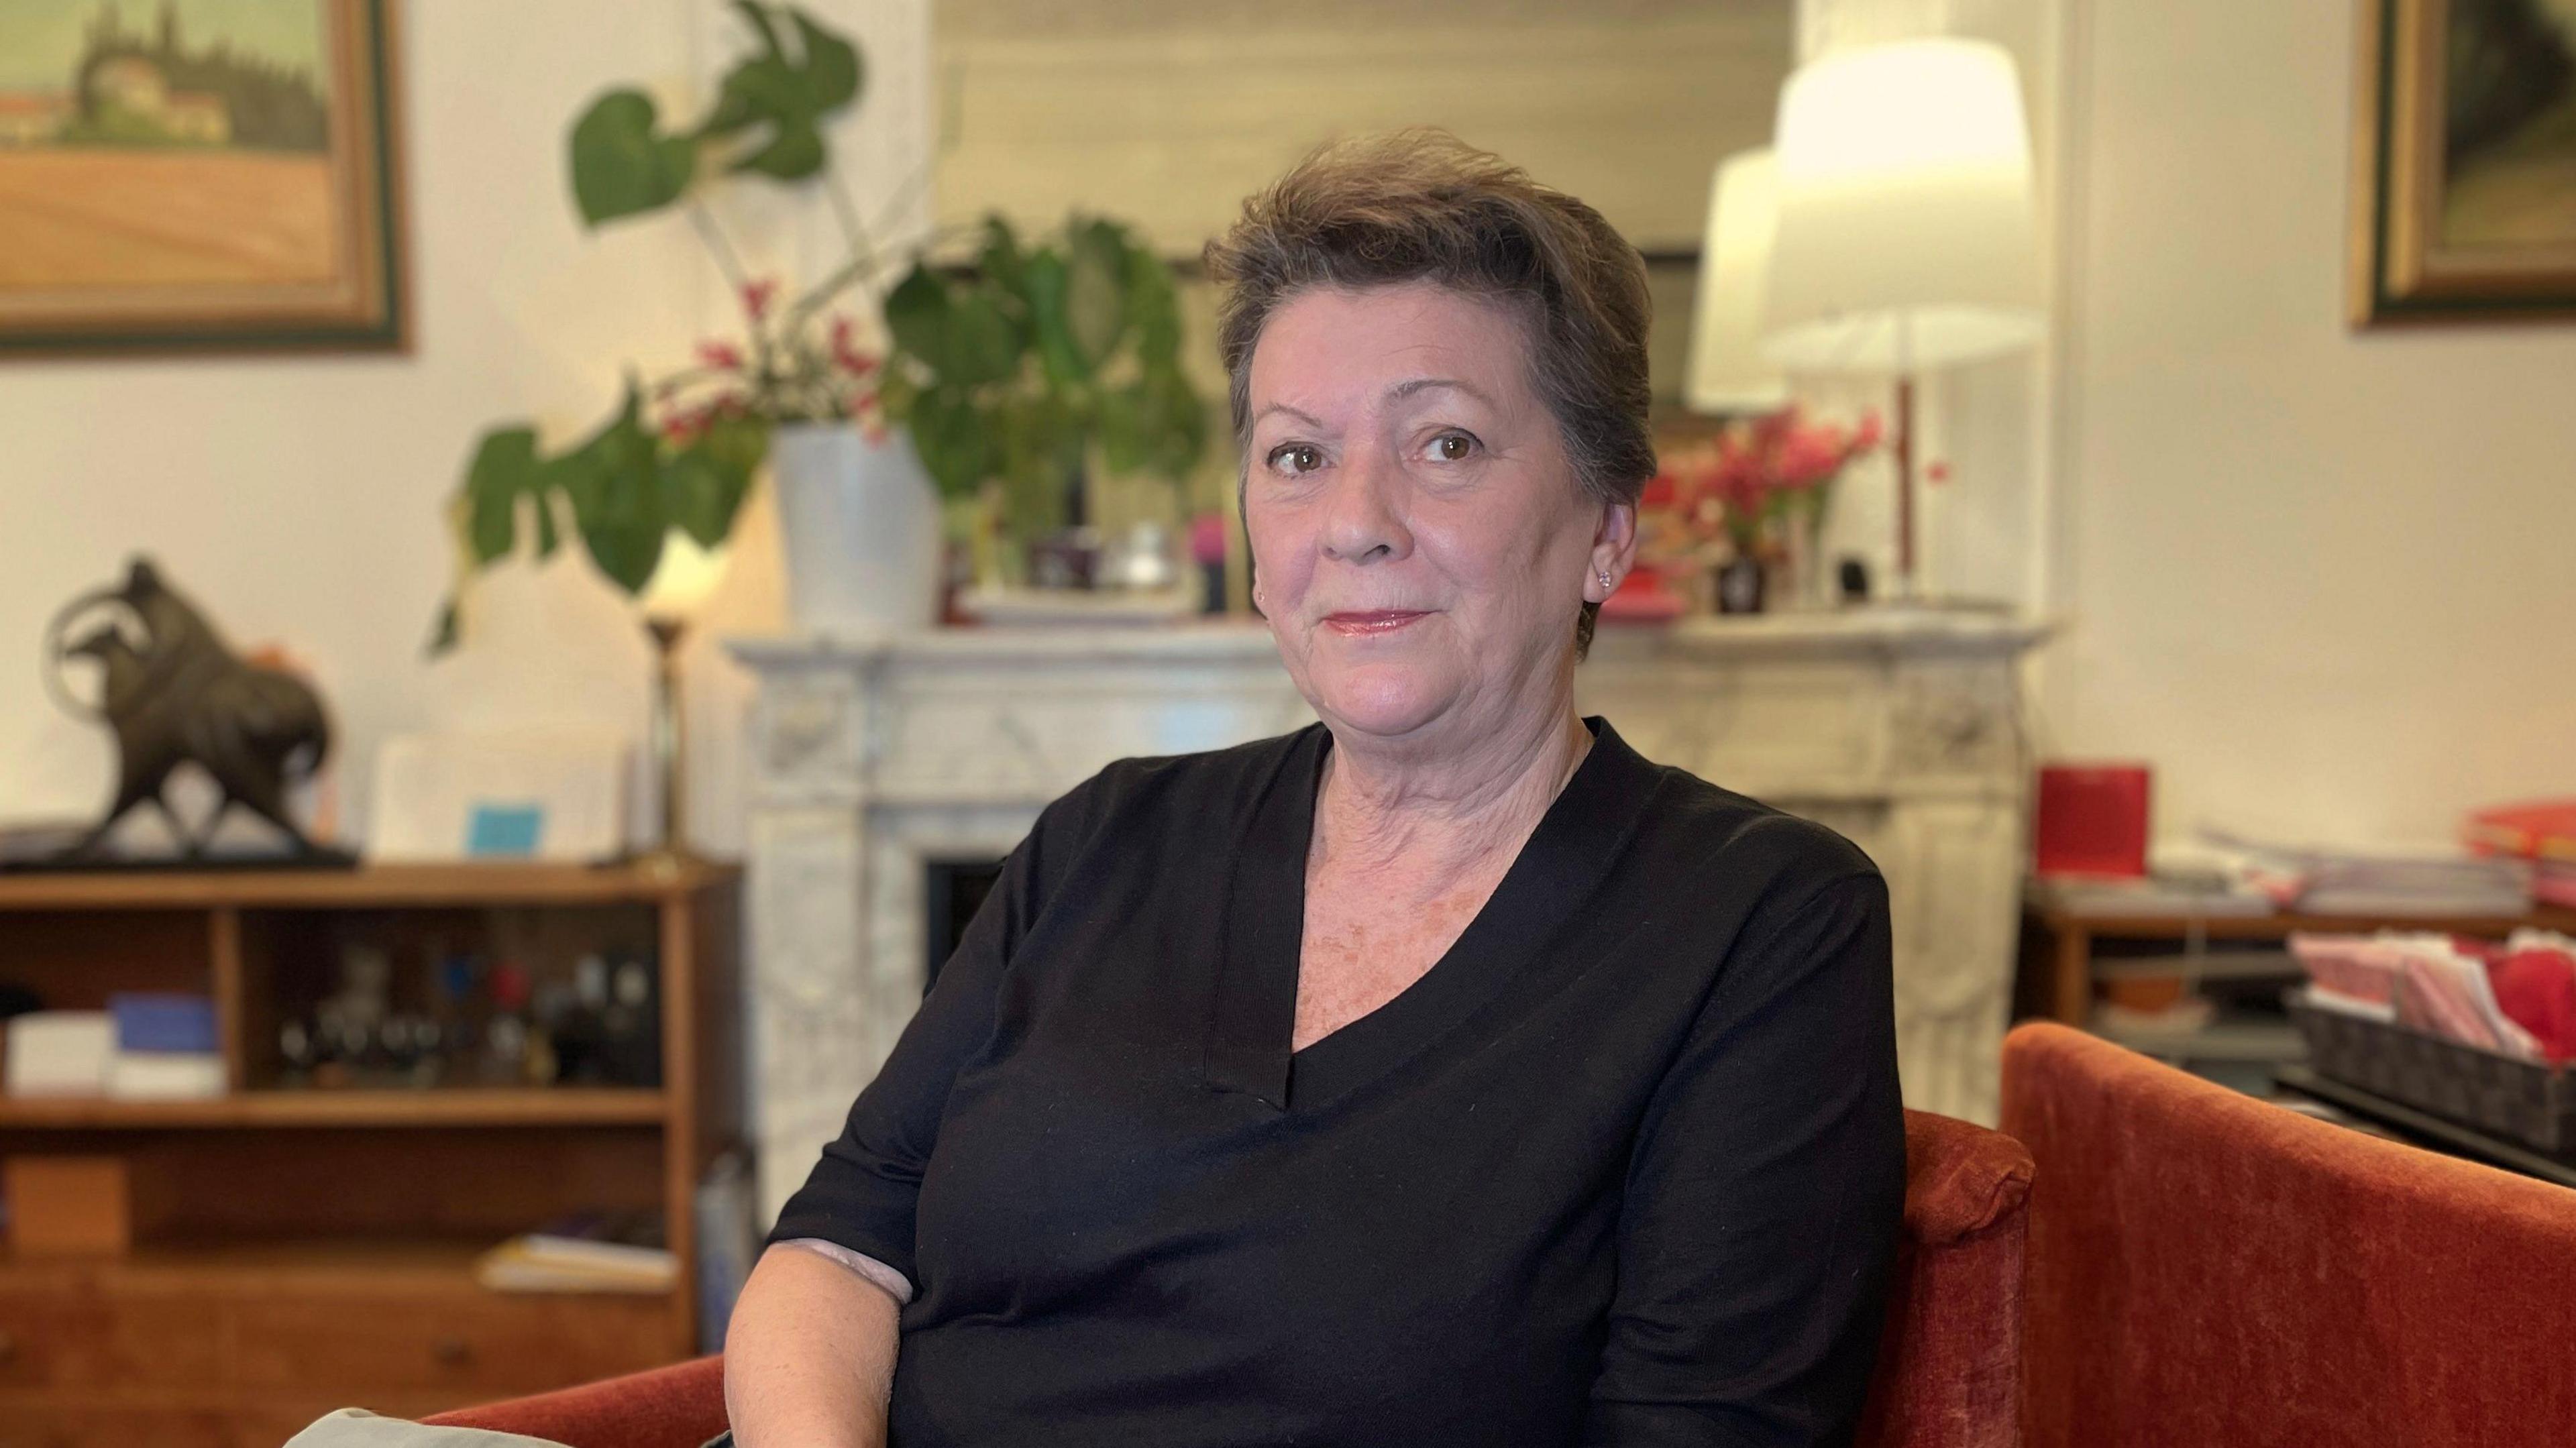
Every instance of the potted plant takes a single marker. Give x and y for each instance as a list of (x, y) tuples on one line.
[(1765, 488), (677, 458), (1022, 367)]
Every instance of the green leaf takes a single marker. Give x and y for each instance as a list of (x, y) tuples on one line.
[(916, 313), (1095, 299), (503, 471), (1046, 282), (983, 343), (954, 440), (1001, 260), (833, 71), (617, 499), (621, 166), (793, 154), (1153, 308), (703, 484)]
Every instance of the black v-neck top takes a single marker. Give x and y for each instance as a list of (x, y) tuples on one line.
[(1624, 1167)]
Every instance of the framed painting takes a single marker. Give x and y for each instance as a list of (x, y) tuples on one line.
[(198, 175), (2465, 181)]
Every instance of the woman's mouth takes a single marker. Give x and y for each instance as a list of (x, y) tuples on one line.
[(1366, 625)]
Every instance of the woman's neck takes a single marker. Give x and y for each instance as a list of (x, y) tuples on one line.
[(1427, 825)]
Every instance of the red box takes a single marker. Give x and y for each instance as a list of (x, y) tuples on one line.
[(2092, 819)]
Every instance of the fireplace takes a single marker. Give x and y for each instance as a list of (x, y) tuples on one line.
[(951, 892), (888, 774)]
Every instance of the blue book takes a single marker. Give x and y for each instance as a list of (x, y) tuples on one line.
[(150, 1021)]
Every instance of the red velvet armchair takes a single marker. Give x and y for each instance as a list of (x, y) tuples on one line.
[(2209, 1268), (1948, 1370)]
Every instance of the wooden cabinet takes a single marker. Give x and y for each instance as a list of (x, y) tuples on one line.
[(313, 1248)]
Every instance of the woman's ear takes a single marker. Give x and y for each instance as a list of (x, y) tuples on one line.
[(1614, 547)]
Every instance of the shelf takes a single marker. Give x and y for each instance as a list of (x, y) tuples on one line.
[(424, 1265), (371, 887), (2280, 925), (2224, 1041), (566, 1106), (2215, 965)]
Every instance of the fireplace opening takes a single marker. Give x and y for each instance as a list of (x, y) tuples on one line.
[(953, 892)]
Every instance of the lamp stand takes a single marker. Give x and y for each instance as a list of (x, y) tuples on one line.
[(670, 748), (1909, 587)]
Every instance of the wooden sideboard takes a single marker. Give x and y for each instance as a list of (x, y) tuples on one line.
[(874, 760), (312, 1248)]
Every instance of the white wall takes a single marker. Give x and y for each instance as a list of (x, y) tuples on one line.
[(299, 500), (2325, 581)]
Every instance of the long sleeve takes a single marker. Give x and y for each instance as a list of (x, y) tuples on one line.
[(1764, 1195), (861, 1194)]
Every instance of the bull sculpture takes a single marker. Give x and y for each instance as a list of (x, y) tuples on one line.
[(178, 695)]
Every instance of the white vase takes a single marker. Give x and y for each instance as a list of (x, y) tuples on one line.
[(860, 526)]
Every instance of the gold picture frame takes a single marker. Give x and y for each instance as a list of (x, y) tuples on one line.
[(172, 191), (2464, 211)]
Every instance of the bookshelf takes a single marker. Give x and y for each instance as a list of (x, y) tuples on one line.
[(305, 1246)]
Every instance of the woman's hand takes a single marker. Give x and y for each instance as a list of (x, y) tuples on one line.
[(809, 1357)]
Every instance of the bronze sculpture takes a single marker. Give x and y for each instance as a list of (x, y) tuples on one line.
[(178, 695)]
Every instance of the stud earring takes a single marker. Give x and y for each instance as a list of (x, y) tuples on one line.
[(1605, 579)]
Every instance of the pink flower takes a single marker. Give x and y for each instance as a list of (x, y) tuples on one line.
[(756, 296), (719, 354)]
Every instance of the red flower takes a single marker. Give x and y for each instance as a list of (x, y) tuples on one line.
[(756, 296), (719, 354)]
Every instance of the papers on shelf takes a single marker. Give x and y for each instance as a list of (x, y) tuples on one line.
[(593, 1252), (2400, 882)]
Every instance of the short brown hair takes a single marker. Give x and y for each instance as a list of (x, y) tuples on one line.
[(1422, 205)]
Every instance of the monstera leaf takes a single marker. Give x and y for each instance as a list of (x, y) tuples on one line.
[(788, 95), (622, 165)]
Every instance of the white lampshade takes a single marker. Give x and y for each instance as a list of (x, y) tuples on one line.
[(1906, 236), (1728, 370), (685, 578)]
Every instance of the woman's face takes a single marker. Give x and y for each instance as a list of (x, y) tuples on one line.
[(1420, 542)]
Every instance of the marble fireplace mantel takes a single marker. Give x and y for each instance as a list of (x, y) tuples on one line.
[(874, 757)]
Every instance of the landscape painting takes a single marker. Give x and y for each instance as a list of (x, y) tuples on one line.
[(2466, 203), (197, 174)]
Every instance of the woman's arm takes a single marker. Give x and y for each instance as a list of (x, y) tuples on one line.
[(1764, 1198), (809, 1357)]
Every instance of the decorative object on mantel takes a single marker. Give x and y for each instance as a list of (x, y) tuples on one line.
[(175, 694), (1764, 487), (676, 461), (2466, 138), (230, 183), (1906, 236), (1024, 368)]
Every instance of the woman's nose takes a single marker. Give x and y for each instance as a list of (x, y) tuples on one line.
[(1363, 522)]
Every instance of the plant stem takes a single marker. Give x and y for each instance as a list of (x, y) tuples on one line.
[(726, 260)]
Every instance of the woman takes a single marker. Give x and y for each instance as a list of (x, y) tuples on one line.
[(1444, 1073)]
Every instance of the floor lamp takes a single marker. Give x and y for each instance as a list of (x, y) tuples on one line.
[(1905, 237)]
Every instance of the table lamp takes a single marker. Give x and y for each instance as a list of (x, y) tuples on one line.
[(670, 601), (1906, 237), (1729, 371)]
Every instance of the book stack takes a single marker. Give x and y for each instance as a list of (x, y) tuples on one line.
[(60, 1053), (165, 1048), (591, 1252), (2543, 833)]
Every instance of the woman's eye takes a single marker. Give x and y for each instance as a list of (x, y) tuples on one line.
[(1294, 458), (1453, 447)]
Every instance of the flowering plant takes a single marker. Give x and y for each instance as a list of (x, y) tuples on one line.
[(682, 457), (1760, 471)]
